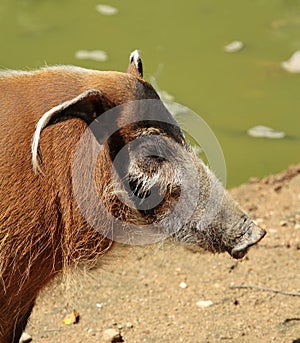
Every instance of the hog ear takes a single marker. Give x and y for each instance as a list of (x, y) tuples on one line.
[(86, 106), (135, 64)]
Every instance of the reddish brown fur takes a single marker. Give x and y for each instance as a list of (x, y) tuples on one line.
[(42, 231)]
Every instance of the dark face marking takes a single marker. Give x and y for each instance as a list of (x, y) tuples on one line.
[(168, 125)]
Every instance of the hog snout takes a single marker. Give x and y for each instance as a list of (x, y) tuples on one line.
[(252, 236)]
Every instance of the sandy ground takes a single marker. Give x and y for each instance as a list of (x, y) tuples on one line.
[(150, 294)]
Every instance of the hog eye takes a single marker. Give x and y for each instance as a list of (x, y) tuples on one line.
[(157, 159)]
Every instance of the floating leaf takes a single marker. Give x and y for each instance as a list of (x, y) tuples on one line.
[(265, 132), (106, 9), (292, 65), (95, 55), (234, 46)]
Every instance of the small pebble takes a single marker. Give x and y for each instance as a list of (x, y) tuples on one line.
[(183, 285), (112, 336), (204, 303), (99, 305), (297, 226)]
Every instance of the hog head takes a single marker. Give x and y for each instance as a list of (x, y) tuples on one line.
[(158, 187)]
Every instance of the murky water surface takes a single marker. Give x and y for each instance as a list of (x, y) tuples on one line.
[(182, 45)]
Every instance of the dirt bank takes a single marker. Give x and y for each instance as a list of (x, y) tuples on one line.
[(151, 294)]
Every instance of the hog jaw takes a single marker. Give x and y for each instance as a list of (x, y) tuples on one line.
[(252, 236)]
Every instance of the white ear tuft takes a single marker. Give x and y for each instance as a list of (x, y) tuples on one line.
[(136, 59)]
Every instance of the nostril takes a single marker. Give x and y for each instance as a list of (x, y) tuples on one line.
[(251, 237)]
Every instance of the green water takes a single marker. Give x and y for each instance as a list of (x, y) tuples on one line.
[(182, 45)]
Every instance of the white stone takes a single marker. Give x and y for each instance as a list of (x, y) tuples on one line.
[(204, 303), (183, 285)]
